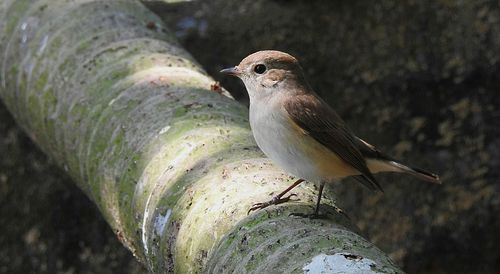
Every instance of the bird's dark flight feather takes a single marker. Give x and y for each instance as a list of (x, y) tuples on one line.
[(371, 152), (323, 124)]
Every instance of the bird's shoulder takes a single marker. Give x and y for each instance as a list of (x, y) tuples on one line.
[(312, 111)]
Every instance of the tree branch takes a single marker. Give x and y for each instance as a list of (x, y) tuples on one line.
[(168, 157)]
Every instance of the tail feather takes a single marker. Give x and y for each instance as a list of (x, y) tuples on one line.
[(379, 162), (417, 172)]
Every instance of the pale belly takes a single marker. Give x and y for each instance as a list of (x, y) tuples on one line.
[(294, 151)]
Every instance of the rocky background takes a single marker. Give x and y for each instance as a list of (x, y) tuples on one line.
[(417, 78)]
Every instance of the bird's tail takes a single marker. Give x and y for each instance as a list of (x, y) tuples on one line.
[(417, 172), (394, 166)]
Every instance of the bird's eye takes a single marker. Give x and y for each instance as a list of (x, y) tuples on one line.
[(259, 69)]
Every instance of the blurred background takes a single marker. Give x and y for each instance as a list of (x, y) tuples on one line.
[(419, 79)]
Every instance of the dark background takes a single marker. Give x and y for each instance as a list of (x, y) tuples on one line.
[(420, 79)]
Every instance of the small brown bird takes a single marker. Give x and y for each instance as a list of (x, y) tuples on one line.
[(301, 133)]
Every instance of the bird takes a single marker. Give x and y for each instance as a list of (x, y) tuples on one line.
[(302, 134)]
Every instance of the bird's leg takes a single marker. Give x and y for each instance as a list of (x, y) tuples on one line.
[(321, 186), (315, 214), (316, 211), (278, 199)]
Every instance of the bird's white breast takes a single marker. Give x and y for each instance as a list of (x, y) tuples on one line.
[(288, 147)]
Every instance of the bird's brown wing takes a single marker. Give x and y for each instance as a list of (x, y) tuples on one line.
[(322, 123)]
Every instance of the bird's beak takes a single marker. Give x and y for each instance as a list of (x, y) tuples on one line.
[(234, 71)]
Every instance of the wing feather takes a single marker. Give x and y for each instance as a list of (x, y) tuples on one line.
[(324, 125)]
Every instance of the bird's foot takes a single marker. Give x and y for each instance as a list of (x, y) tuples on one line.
[(276, 200)]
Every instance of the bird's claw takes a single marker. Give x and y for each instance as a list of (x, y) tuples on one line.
[(276, 200)]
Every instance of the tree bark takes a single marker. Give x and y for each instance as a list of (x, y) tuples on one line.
[(167, 156)]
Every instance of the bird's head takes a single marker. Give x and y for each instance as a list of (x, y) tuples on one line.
[(269, 73)]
